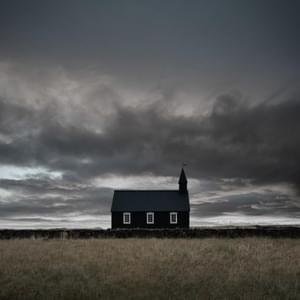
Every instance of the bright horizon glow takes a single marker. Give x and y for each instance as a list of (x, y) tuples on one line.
[(104, 222), (141, 182)]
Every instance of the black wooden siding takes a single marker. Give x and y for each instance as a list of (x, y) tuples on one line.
[(161, 220)]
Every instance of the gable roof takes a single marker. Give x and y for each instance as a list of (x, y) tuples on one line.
[(150, 200)]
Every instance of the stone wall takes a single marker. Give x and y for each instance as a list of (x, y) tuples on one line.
[(222, 232)]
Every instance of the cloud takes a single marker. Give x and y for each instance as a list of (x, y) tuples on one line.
[(45, 197), (250, 204), (234, 140), (83, 129)]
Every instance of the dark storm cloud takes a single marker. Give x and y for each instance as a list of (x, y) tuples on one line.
[(208, 43), (251, 204), (43, 196), (235, 140)]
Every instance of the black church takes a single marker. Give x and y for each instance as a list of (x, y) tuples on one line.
[(152, 208)]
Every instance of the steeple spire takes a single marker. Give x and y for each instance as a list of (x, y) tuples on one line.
[(182, 182)]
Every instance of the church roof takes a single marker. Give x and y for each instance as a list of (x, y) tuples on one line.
[(150, 200)]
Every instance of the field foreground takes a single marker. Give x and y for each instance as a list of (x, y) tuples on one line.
[(245, 268)]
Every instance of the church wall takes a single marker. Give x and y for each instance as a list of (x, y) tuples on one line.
[(161, 220)]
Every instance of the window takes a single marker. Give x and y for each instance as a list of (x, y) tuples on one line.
[(173, 218), (150, 218), (126, 218)]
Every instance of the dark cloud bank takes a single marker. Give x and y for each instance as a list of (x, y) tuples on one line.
[(234, 140), (247, 144)]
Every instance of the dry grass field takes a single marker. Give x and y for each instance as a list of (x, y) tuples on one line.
[(246, 268)]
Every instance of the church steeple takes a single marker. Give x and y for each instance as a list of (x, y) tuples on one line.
[(182, 182)]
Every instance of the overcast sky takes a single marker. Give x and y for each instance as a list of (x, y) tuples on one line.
[(99, 95)]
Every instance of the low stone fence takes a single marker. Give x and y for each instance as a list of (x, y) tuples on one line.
[(220, 232)]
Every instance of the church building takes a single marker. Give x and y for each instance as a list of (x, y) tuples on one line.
[(152, 208)]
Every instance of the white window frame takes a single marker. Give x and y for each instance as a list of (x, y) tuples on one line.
[(176, 218), (125, 214), (147, 217)]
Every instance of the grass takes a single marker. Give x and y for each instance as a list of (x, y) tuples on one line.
[(246, 268)]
